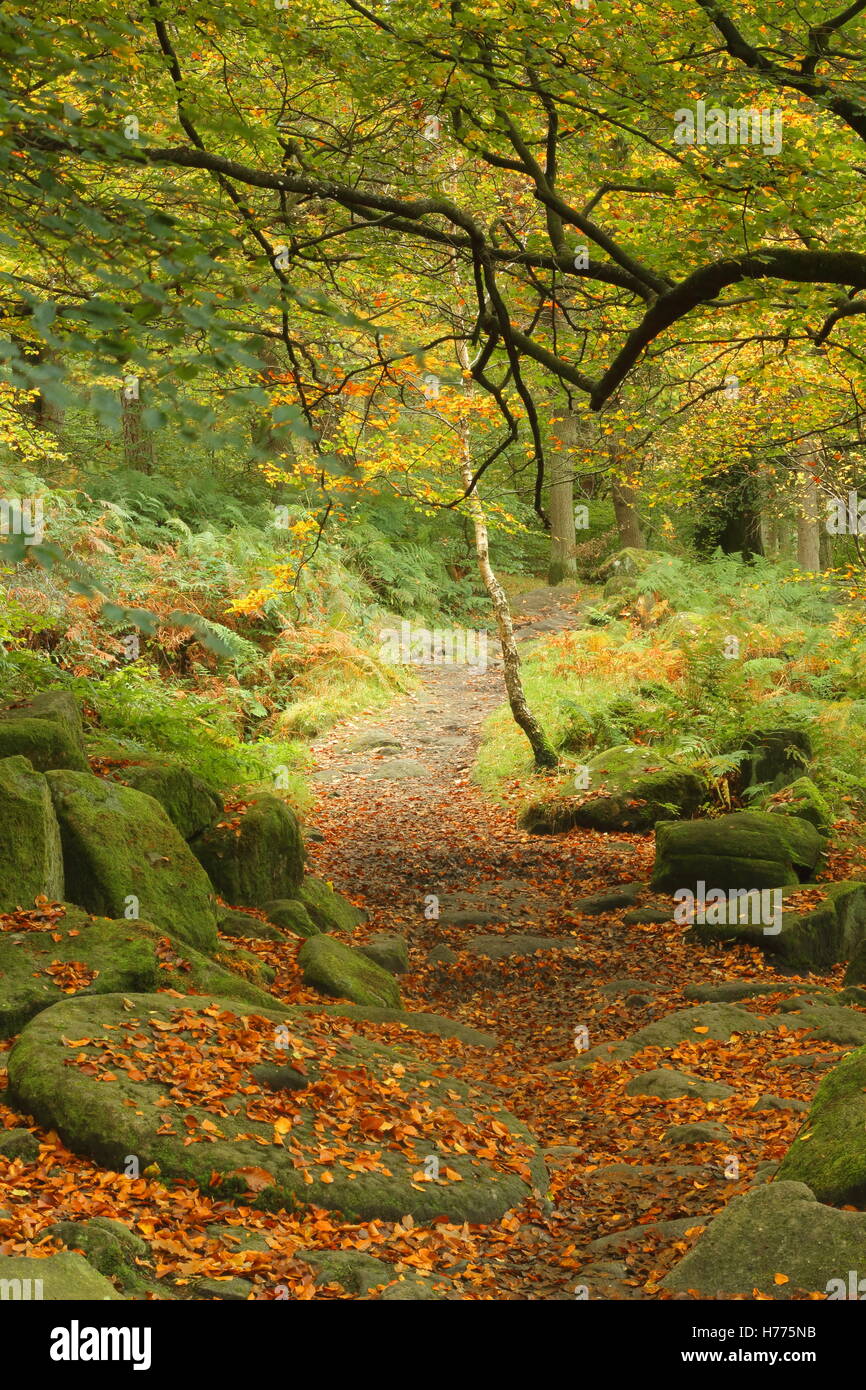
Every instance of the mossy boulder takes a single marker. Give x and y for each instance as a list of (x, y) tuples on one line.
[(235, 974), (243, 924), (99, 956), (630, 788), (745, 849), (716, 1022), (802, 798), (776, 1228), (30, 849), (811, 935), (90, 957), (358, 1273), (119, 844), (47, 731), (106, 1244), (829, 1153), (775, 757), (255, 857), (434, 1024), (329, 910), (190, 803), (84, 1093), (389, 950), (343, 972), (291, 915), (623, 570), (19, 1144), (63, 1278)]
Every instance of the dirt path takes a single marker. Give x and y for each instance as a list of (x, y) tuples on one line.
[(403, 824)]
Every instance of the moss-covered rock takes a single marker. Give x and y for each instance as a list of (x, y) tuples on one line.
[(358, 1273), (343, 972), (630, 788), (30, 849), (256, 857), (746, 849), (47, 731), (19, 1144), (119, 844), (108, 1245), (389, 950), (63, 1278), (802, 798), (829, 1153), (291, 915), (329, 910), (718, 1022), (813, 936), (776, 1228), (102, 955), (189, 802), (775, 757), (84, 1093), (435, 1024), (233, 975), (630, 560), (243, 924)]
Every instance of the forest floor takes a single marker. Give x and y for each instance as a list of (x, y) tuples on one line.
[(517, 952), (391, 841)]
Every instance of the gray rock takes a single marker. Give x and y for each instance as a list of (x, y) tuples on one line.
[(442, 955), (374, 739), (647, 916), (469, 917), (19, 1143), (495, 947), (706, 1132), (768, 1102), (720, 1020), (389, 950), (233, 1290), (776, 1228), (397, 770), (730, 991), (636, 1234), (593, 906), (668, 1084)]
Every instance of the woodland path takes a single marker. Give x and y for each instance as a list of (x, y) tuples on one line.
[(389, 841)]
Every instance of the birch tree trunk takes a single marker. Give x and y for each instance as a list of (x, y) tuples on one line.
[(542, 751)]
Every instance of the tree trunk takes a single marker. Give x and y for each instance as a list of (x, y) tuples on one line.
[(137, 439), (563, 562), (809, 512), (627, 520), (542, 751)]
